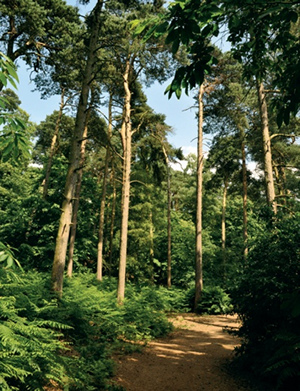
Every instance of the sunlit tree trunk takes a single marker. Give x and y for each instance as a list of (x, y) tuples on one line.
[(223, 228), (169, 255), (66, 209), (200, 157), (112, 222), (270, 188), (280, 178), (53, 145), (103, 198), (151, 250), (169, 227), (73, 228), (126, 140)]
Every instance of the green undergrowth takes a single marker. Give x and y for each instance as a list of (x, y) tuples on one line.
[(214, 301), (69, 343), (267, 299)]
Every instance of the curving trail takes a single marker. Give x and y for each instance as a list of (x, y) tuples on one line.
[(191, 358)]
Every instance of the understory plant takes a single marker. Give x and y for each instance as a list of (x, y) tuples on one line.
[(267, 300), (30, 347), (69, 342), (214, 301)]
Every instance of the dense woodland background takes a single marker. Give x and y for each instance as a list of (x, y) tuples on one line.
[(100, 236)]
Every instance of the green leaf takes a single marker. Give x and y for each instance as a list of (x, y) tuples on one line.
[(140, 27), (293, 16), (9, 262), (12, 82), (7, 150), (172, 35), (168, 89), (162, 28), (207, 30), (149, 33), (20, 122), (3, 79), (175, 46), (3, 256), (134, 23), (279, 119), (12, 71), (178, 93), (286, 116)]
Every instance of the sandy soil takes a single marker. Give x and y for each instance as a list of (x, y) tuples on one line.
[(192, 358)]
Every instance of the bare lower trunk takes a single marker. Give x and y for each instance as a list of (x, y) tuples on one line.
[(270, 189), (126, 139), (112, 222), (223, 224), (245, 188), (66, 209), (280, 178), (52, 147), (103, 198), (198, 244), (169, 271), (169, 228), (151, 250), (99, 273), (76, 200)]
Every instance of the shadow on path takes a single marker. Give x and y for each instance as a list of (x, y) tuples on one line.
[(191, 358)]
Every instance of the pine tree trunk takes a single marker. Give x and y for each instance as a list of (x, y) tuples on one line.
[(112, 222), (169, 227), (169, 255), (126, 139), (52, 147), (151, 250), (73, 228), (245, 189), (66, 210), (270, 188), (223, 227), (103, 198), (200, 157)]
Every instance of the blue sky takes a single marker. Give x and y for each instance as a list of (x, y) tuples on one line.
[(178, 113)]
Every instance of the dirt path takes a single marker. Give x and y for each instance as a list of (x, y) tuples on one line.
[(191, 358)]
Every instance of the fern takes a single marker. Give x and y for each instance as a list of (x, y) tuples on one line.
[(28, 348), (70, 341)]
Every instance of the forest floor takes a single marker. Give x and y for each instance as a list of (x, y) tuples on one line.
[(194, 357)]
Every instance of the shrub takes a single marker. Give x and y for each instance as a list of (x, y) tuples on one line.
[(214, 300), (267, 299)]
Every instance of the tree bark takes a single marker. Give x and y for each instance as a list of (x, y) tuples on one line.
[(66, 210), (270, 188), (126, 140), (73, 228), (103, 198), (200, 157), (245, 190), (169, 228), (112, 222), (223, 227), (53, 145), (151, 250)]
